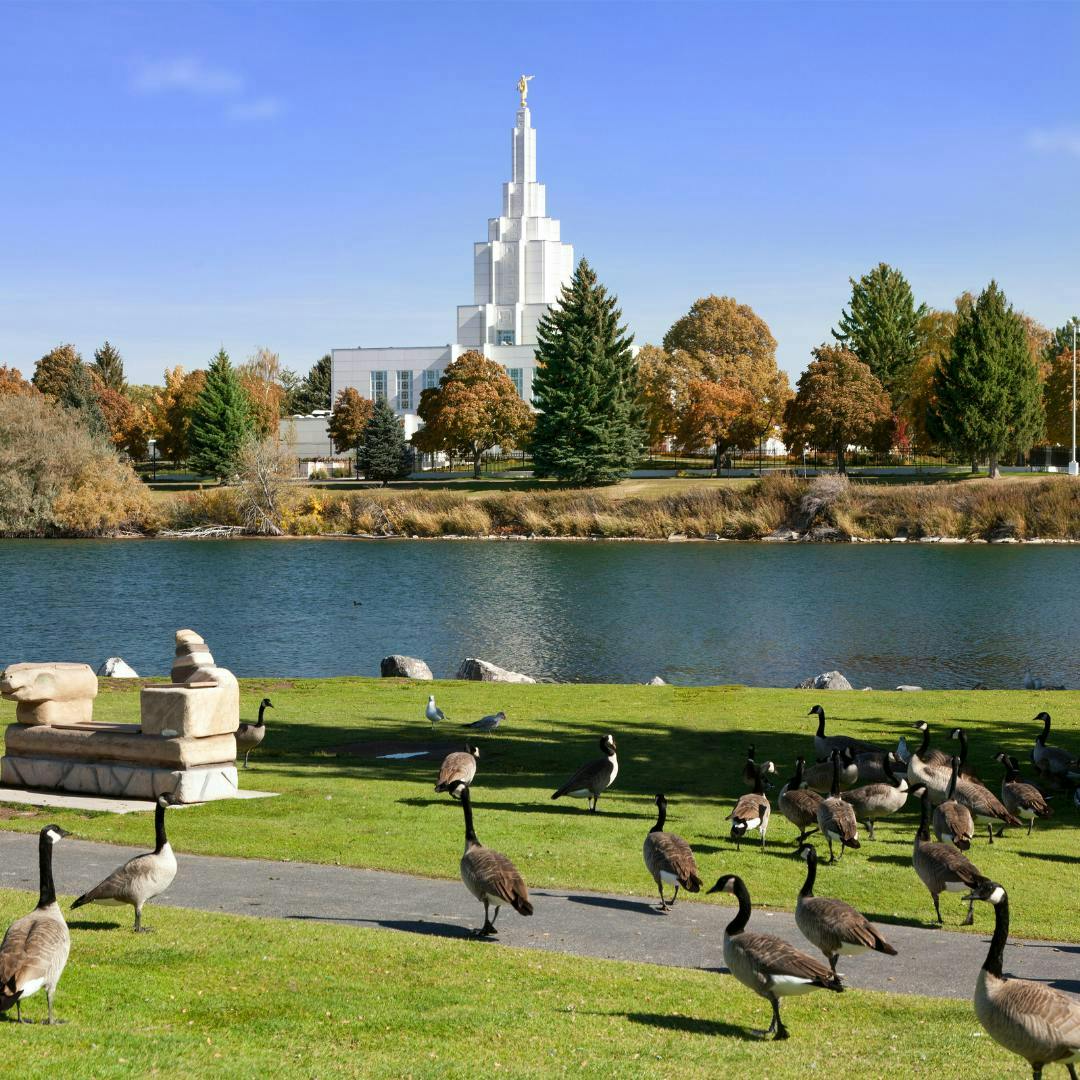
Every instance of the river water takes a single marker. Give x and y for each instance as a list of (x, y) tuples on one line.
[(757, 614)]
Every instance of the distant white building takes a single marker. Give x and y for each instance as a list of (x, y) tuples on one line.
[(518, 273)]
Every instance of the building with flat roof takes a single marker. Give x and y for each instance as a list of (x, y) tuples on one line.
[(518, 273)]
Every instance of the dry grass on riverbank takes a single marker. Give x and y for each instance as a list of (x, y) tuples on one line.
[(981, 509)]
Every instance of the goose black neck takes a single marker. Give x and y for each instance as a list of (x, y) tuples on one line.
[(952, 778), (821, 723), (1011, 771), (992, 963), (834, 791), (47, 893), (738, 924), (661, 817), (924, 818), (262, 709), (466, 805), (925, 744), (890, 776), (811, 874), (159, 829), (759, 784), (963, 745), (1041, 739), (797, 779)]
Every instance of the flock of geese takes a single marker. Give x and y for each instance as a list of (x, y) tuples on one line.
[(849, 782)]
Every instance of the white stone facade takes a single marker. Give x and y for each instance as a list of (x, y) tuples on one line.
[(518, 273)]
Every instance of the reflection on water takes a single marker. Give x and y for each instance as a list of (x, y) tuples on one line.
[(766, 615)]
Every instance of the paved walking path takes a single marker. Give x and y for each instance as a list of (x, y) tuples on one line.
[(935, 963)]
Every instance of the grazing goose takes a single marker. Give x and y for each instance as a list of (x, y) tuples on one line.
[(1033, 1020), (140, 879), (433, 712), (248, 736), (941, 868), (594, 778), (836, 818), (966, 770), (825, 744), (872, 802), (819, 776), (750, 812), (488, 723), (668, 858), (1050, 760), (750, 770), (35, 947), (798, 804), (766, 964), (1024, 800), (458, 770), (953, 823), (491, 877), (835, 927), (984, 805)]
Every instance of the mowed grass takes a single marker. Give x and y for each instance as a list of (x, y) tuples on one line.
[(216, 996), (357, 810)]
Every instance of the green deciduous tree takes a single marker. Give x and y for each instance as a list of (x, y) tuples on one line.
[(349, 420), (384, 454), (314, 391), (79, 394), (988, 398), (108, 366), (838, 403), (220, 421), (53, 370), (591, 427), (881, 327)]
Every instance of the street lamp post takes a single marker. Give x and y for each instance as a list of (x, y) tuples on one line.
[(1074, 468)]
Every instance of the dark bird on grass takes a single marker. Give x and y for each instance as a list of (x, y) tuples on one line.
[(1053, 761), (798, 804), (1026, 801), (593, 778), (668, 858), (825, 744), (836, 818), (487, 723), (751, 812), (249, 736)]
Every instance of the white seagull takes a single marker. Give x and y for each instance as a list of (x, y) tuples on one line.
[(433, 712)]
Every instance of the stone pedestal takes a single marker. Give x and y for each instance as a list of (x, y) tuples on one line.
[(50, 693)]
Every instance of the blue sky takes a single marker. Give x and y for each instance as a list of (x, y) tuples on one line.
[(179, 176)]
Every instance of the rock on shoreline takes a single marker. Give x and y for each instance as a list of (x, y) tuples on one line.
[(476, 670)]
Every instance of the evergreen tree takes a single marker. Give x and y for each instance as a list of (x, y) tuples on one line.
[(314, 391), (988, 397), (80, 396), (109, 367), (53, 370), (383, 454), (220, 421), (881, 327), (591, 425)]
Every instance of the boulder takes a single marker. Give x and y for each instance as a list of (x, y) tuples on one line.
[(656, 681), (908, 687), (828, 680), (404, 667), (780, 536), (50, 693), (477, 670), (117, 668)]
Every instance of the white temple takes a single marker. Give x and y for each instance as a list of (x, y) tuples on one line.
[(518, 273)]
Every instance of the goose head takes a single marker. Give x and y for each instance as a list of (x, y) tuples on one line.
[(607, 744), (661, 801), (53, 834), (807, 853), (266, 703), (990, 891), (725, 884), (474, 750), (817, 711)]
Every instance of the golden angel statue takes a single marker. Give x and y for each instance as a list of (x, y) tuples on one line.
[(523, 88)]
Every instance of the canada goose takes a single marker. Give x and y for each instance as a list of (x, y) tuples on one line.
[(871, 767), (593, 778), (248, 736), (140, 879), (668, 858), (433, 712), (874, 801), (1033, 1020), (35, 947), (458, 770), (488, 723), (825, 744), (750, 812), (819, 776), (966, 769), (491, 877), (750, 770), (929, 767), (953, 823), (1024, 800), (836, 818), (984, 805), (835, 927), (766, 964), (798, 804), (1053, 760), (941, 868)]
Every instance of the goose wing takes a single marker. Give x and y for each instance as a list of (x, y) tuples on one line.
[(1028, 797), (1045, 1016), (773, 958), (801, 801), (34, 946), (842, 816), (849, 925), (497, 877), (119, 884), (981, 800), (667, 851), (749, 808), (592, 776), (456, 767), (955, 865)]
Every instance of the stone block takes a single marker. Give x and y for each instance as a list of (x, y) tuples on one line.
[(192, 653), (50, 693), (192, 711), (118, 743)]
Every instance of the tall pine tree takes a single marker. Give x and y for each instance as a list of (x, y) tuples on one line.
[(314, 389), (591, 426), (988, 397), (383, 453), (109, 367), (220, 421)]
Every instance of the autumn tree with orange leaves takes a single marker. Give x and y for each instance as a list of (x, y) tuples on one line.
[(350, 417), (715, 415), (12, 382)]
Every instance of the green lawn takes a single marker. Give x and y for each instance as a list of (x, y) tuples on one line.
[(689, 743), (217, 996)]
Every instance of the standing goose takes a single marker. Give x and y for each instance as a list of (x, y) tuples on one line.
[(929, 767), (35, 947), (488, 723), (798, 804), (751, 812), (1033, 1020), (1024, 800), (835, 927), (953, 823), (874, 801), (766, 964), (836, 818), (433, 712), (819, 776), (668, 858), (458, 770), (750, 770), (1050, 760), (140, 879), (594, 778), (825, 744), (248, 736), (984, 805), (965, 769), (491, 877), (941, 868)]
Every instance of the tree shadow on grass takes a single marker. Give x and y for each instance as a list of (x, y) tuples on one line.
[(692, 1024), (524, 808), (1046, 856)]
